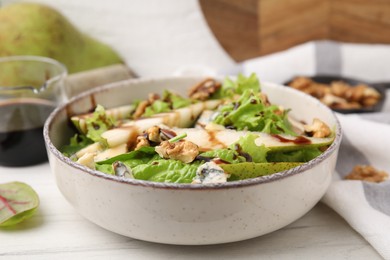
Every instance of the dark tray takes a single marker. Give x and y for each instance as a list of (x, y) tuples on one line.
[(327, 79)]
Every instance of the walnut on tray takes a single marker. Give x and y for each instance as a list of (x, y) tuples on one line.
[(338, 94), (367, 173)]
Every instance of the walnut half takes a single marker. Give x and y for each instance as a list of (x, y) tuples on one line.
[(182, 150), (317, 129), (204, 89), (367, 173)]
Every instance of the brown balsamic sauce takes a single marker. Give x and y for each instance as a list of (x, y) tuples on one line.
[(168, 133), (201, 125), (203, 158), (220, 161), (246, 155), (214, 140), (300, 140), (132, 141)]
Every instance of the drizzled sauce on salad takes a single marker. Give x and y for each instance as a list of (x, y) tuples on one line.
[(214, 141), (298, 140), (220, 161), (239, 128), (168, 133)]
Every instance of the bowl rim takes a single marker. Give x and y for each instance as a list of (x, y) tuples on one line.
[(183, 186)]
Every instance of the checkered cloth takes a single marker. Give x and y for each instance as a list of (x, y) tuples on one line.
[(366, 141)]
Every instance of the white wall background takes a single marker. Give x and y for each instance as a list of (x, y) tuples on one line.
[(154, 37), (161, 37)]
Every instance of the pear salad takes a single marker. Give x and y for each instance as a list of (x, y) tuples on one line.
[(221, 132)]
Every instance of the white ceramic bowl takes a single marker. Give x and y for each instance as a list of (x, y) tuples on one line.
[(184, 213)]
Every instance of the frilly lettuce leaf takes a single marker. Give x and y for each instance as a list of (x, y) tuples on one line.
[(250, 113), (98, 123), (302, 155), (158, 106), (247, 144), (77, 142), (244, 150), (247, 83), (176, 101), (237, 87), (168, 102)]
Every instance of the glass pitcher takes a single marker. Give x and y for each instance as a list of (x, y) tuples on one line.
[(30, 88)]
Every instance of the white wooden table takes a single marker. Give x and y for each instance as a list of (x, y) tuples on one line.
[(57, 231)]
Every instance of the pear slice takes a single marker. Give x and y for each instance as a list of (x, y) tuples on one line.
[(248, 170), (214, 139), (182, 117), (117, 113), (125, 135)]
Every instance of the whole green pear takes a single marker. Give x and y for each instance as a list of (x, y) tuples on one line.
[(36, 29)]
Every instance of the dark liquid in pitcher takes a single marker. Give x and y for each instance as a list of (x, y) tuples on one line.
[(21, 148), (21, 133)]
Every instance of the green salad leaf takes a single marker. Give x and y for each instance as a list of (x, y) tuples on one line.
[(146, 164), (244, 150), (18, 201), (176, 101), (243, 107), (247, 144), (158, 106), (301, 155), (98, 123), (77, 142), (172, 171), (169, 101), (237, 87), (131, 159), (243, 83), (250, 113), (227, 155), (244, 158)]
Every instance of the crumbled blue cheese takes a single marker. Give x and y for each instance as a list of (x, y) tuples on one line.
[(210, 172), (122, 170)]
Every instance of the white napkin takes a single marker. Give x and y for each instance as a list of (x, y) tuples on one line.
[(364, 205)]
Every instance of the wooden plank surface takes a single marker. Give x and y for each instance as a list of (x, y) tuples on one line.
[(253, 28), (57, 231)]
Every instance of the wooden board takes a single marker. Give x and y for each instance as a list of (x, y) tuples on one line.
[(234, 24), (253, 28)]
